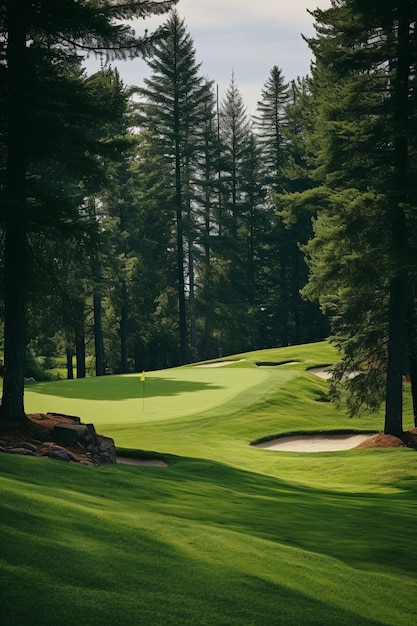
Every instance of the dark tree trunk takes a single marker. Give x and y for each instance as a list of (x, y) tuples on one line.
[(283, 293), (208, 306), (397, 298), (191, 308), (12, 407), (80, 341), (412, 351), (70, 370), (98, 336), (80, 354), (124, 332), (139, 357), (413, 378), (180, 265), (16, 259), (396, 361)]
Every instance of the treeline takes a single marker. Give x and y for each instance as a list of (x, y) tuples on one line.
[(158, 225), (176, 252)]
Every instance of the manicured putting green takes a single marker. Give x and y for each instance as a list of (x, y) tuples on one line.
[(164, 395)]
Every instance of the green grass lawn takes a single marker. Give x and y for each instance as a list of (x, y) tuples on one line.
[(227, 534)]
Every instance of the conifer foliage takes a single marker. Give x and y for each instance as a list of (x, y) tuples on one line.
[(146, 211), (40, 42), (363, 145)]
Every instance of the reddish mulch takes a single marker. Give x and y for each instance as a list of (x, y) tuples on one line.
[(408, 440), (36, 427)]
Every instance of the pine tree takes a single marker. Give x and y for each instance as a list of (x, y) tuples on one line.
[(365, 153), (206, 196), (230, 269), (42, 39), (270, 122), (173, 102)]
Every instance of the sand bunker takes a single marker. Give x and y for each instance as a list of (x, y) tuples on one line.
[(314, 443), (219, 363), (321, 372), (126, 460)]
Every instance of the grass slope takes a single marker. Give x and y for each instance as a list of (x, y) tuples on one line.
[(226, 535)]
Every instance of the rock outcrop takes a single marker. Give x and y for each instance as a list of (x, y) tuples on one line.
[(63, 438)]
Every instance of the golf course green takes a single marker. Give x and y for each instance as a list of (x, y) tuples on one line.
[(226, 533)]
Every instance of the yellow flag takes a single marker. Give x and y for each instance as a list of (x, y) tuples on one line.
[(142, 377)]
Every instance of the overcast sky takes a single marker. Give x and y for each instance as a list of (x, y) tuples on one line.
[(246, 37)]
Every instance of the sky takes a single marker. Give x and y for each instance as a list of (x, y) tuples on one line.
[(243, 37)]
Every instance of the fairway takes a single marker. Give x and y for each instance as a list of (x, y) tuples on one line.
[(222, 533)]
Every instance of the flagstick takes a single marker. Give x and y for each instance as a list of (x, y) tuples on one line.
[(143, 395), (142, 379)]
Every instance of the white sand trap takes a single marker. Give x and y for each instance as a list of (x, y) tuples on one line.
[(125, 460), (219, 363), (321, 372), (314, 443)]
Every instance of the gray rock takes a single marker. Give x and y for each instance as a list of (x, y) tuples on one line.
[(68, 433), (24, 451), (60, 455), (74, 418), (27, 445), (107, 450)]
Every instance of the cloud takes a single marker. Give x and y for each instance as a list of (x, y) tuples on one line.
[(241, 36), (217, 13)]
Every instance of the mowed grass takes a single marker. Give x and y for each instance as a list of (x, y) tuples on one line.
[(227, 534)]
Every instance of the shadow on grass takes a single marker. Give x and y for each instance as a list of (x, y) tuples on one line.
[(187, 539), (317, 520), (115, 388)]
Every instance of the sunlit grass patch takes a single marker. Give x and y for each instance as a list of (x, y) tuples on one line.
[(226, 534)]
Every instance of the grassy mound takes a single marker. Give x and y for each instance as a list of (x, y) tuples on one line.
[(227, 534)]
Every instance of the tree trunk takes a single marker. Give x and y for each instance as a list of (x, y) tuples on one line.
[(397, 299), (70, 370), (12, 407), (396, 361), (98, 336), (15, 255), (191, 306), (413, 378), (283, 292), (124, 365), (180, 260), (80, 354), (80, 341), (412, 351)]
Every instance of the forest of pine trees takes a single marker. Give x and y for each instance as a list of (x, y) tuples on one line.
[(160, 224)]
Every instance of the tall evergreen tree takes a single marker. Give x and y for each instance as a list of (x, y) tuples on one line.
[(41, 40), (287, 319), (270, 122), (206, 196), (174, 99), (364, 147)]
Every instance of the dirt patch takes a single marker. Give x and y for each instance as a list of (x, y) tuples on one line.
[(408, 439)]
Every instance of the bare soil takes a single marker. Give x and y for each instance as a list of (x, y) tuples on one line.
[(381, 440)]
